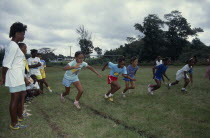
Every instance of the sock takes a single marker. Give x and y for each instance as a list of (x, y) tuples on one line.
[(76, 101), (110, 95), (169, 84), (106, 96)]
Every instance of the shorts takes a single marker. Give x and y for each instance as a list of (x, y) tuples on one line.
[(180, 76), (17, 88), (67, 82), (159, 78), (111, 79), (127, 79), (43, 73), (39, 77)]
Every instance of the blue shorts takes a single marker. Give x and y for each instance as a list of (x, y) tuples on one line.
[(158, 78), (67, 82), (127, 79), (17, 88)]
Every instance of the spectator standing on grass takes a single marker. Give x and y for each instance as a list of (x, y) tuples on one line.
[(13, 74)]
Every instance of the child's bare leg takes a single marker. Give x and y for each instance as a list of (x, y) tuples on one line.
[(133, 85), (126, 86), (116, 86), (79, 87), (175, 82), (186, 82), (45, 82), (66, 92), (157, 86)]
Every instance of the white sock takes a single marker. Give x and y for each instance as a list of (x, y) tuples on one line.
[(106, 96), (169, 84), (110, 95)]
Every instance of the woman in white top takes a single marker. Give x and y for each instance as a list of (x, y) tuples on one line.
[(13, 73)]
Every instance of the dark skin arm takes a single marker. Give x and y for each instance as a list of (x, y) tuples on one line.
[(153, 71), (104, 66), (126, 76), (34, 66), (166, 75), (4, 72)]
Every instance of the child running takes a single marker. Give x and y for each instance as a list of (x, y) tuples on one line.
[(131, 71), (43, 71), (71, 76), (182, 74), (116, 70), (158, 75)]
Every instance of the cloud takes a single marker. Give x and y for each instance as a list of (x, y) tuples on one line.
[(53, 23)]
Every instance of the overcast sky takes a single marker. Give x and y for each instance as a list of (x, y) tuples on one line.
[(53, 23)]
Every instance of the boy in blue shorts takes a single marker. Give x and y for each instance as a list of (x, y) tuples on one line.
[(158, 75)]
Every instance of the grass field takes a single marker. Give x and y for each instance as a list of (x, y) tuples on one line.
[(167, 113)]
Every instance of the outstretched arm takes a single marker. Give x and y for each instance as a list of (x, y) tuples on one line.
[(126, 76), (104, 66), (93, 70)]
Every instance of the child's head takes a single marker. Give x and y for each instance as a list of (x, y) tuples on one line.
[(134, 61), (190, 62), (121, 62), (23, 47), (39, 55), (17, 31), (34, 53), (79, 56), (158, 57), (166, 61), (34, 77)]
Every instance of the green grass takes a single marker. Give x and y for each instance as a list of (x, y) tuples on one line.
[(167, 113)]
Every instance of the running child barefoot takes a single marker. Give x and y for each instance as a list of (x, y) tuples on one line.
[(116, 70), (182, 74), (71, 76), (158, 75), (131, 71)]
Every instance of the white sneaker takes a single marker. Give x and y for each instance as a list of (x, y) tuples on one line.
[(105, 96), (76, 103), (62, 98), (123, 95), (184, 90), (49, 89), (150, 90)]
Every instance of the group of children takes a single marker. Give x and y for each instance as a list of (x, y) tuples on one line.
[(25, 78)]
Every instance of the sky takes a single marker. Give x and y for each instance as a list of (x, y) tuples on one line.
[(53, 24)]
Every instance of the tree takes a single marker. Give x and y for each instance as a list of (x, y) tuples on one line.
[(85, 42), (47, 54), (153, 36), (178, 32), (98, 51)]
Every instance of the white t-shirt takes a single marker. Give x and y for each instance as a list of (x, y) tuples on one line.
[(33, 86), (185, 68), (34, 61), (159, 62), (72, 74), (14, 61)]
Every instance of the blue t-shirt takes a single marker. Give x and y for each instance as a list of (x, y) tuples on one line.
[(72, 74), (115, 71), (131, 70), (161, 69), (191, 71)]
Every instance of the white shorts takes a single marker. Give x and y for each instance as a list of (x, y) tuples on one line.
[(180, 76)]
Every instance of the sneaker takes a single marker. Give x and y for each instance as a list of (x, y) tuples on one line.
[(62, 98), (184, 90), (111, 99), (169, 86), (76, 103), (150, 90), (106, 97), (20, 120), (48, 88), (123, 95), (17, 126)]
